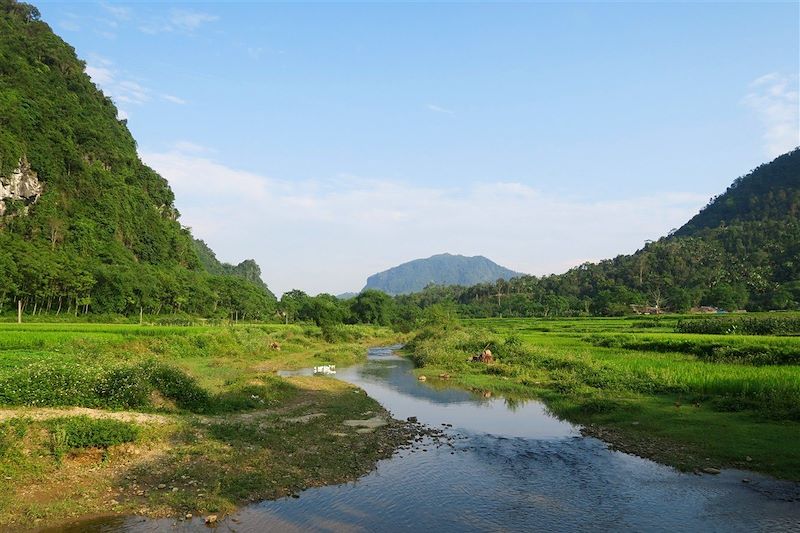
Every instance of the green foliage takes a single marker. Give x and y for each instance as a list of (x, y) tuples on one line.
[(58, 383), (769, 191), (373, 307), (247, 269), (80, 432), (176, 385), (104, 236), (617, 364)]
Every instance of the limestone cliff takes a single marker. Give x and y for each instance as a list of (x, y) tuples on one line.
[(21, 185)]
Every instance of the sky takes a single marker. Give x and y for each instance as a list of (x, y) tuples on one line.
[(330, 141)]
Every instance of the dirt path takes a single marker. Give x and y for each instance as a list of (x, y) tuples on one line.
[(45, 413)]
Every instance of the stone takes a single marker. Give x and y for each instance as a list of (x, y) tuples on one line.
[(412, 419), (368, 424), (211, 519), (422, 378), (710, 470), (188, 516), (22, 184)]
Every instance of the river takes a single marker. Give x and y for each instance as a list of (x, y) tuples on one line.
[(511, 467)]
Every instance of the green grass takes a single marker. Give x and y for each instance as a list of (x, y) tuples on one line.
[(692, 396), (202, 404), (201, 369), (78, 432)]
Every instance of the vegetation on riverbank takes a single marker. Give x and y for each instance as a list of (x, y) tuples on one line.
[(648, 393), (164, 421)]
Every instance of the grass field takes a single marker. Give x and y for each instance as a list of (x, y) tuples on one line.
[(690, 400), (159, 420)]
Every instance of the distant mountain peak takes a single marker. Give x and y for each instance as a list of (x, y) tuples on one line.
[(439, 269)]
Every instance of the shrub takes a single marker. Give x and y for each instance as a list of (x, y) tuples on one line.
[(80, 432), (334, 333), (124, 386), (177, 386), (46, 383)]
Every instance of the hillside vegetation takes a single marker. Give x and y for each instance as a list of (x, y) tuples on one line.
[(742, 251), (85, 226)]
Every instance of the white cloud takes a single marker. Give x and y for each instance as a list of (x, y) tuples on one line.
[(438, 109), (255, 52), (117, 11), (70, 24), (182, 20), (774, 98), (101, 76), (122, 90), (174, 99), (329, 235), (190, 20), (191, 148), (115, 83)]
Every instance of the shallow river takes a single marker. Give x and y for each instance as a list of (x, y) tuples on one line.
[(512, 467)]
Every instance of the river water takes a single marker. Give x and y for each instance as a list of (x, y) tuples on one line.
[(511, 467)]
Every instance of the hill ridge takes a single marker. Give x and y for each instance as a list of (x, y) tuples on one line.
[(438, 269)]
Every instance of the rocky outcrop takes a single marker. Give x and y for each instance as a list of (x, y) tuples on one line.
[(22, 184)]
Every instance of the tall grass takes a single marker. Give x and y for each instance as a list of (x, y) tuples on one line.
[(564, 362)]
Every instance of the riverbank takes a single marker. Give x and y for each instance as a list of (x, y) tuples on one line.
[(661, 404), (99, 420)]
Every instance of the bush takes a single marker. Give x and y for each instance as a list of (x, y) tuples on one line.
[(177, 386), (334, 333), (49, 384), (124, 386), (80, 432)]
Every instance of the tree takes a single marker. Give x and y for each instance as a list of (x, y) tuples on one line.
[(373, 307)]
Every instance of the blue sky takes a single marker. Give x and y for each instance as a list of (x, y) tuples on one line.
[(329, 141)]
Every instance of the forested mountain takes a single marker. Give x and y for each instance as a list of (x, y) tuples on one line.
[(742, 251), (247, 269), (84, 224), (770, 192), (442, 269)]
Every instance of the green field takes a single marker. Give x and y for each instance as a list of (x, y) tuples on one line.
[(690, 400), (165, 421)]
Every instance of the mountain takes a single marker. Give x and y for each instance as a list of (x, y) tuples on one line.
[(346, 295), (442, 269), (770, 192), (85, 226), (742, 251), (247, 269)]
